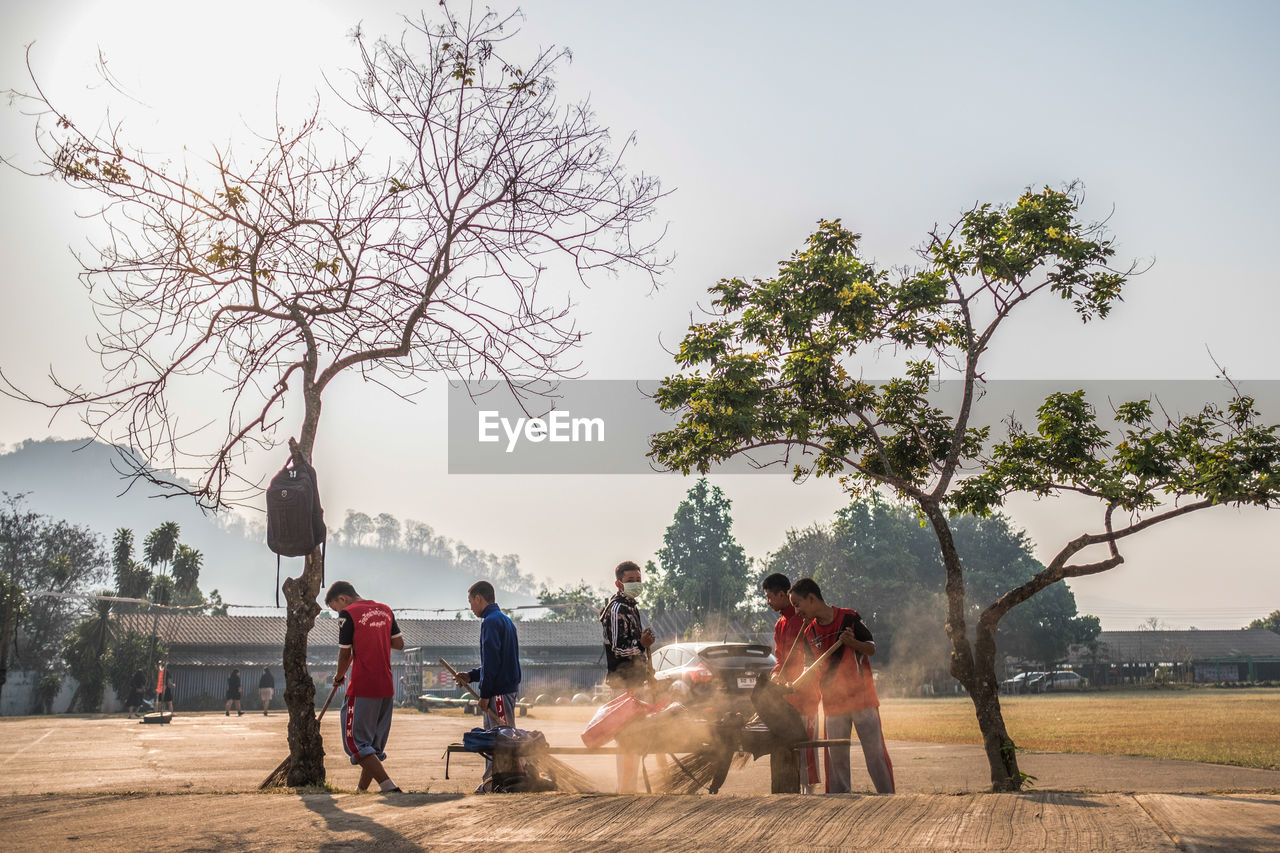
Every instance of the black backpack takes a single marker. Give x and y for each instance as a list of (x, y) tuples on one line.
[(295, 519)]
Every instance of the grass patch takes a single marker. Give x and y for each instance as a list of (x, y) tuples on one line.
[(1239, 727)]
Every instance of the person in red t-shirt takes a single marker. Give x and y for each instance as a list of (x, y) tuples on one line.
[(790, 655), (367, 632), (848, 692)]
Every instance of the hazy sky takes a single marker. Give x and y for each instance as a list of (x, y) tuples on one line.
[(763, 118)]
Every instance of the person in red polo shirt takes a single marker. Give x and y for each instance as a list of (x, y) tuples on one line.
[(848, 692), (790, 653), (367, 632)]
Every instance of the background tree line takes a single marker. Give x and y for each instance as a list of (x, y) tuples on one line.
[(874, 556), (57, 617), (385, 532)]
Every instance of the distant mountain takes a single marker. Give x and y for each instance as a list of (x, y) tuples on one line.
[(76, 481)]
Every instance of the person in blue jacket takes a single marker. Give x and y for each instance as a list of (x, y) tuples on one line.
[(497, 679)]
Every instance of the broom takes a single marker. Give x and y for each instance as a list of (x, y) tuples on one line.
[(566, 779), (277, 778), (708, 766)]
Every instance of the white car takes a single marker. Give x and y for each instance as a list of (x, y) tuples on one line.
[(1053, 681)]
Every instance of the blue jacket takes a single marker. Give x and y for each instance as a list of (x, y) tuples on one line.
[(499, 670)]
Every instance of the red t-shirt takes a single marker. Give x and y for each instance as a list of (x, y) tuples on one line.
[(788, 669), (366, 627), (845, 679)]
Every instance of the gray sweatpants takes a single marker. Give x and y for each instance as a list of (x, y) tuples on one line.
[(867, 724)]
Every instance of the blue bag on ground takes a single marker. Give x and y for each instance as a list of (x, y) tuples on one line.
[(503, 737)]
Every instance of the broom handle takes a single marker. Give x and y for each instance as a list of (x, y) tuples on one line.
[(809, 671), (454, 673), (326, 703)]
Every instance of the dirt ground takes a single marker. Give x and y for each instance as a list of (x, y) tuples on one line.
[(109, 783)]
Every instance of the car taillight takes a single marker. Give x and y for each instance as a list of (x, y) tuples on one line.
[(699, 673)]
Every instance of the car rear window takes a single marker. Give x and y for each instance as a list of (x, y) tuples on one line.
[(736, 651)]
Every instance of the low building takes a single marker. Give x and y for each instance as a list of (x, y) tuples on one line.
[(1136, 657), (556, 658)]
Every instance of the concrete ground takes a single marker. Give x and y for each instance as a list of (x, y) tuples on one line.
[(105, 783)]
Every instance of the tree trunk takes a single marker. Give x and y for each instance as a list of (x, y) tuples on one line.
[(4, 654), (973, 665), (985, 692), (306, 747)]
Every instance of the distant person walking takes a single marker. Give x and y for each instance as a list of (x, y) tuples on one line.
[(626, 651), (367, 632), (266, 688), (498, 676), (233, 693), (166, 698)]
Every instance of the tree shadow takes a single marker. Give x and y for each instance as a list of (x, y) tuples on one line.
[(338, 820)]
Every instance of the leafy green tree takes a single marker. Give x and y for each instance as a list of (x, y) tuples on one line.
[(187, 562), (702, 569), (160, 545), (1271, 622), (305, 255), (776, 369), (40, 554), (877, 557), (133, 579), (132, 651), (85, 651), (573, 603)]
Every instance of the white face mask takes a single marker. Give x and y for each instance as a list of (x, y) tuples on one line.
[(632, 588)]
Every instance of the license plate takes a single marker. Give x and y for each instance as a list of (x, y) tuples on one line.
[(746, 682)]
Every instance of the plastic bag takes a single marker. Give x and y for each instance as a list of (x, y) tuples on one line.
[(611, 717)]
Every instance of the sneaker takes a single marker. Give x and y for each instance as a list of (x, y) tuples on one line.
[(393, 791), (228, 713), (239, 713), (264, 713)]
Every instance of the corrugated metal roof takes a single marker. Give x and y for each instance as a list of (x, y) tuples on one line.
[(1175, 646), (191, 630)]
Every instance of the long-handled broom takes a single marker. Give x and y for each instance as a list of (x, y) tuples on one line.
[(566, 779), (278, 777)]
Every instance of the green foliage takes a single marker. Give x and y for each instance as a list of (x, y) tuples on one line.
[(38, 554), (573, 603), (1220, 454), (84, 650), (131, 652), (702, 570), (47, 689), (1271, 622), (877, 557), (776, 355), (187, 562), (160, 544), (775, 374), (177, 581), (133, 579)]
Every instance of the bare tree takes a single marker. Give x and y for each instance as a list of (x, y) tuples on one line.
[(423, 247)]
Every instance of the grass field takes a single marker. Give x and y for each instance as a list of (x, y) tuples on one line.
[(1240, 727)]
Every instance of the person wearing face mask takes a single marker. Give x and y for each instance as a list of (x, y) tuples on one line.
[(626, 650)]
